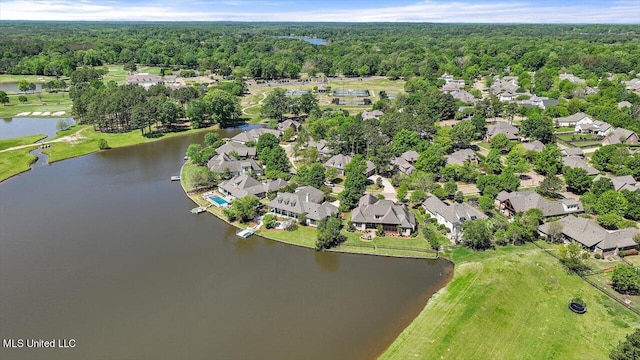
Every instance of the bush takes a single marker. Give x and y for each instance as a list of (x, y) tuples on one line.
[(270, 221), (597, 256), (102, 144)]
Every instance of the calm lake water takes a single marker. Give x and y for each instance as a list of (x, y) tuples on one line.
[(13, 87), (314, 41), (102, 249), (25, 126)]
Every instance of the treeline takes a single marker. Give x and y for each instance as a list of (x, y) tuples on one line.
[(119, 108), (255, 50)]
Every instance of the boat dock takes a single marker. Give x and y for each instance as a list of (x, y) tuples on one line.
[(245, 233), (198, 210), (175, 178)]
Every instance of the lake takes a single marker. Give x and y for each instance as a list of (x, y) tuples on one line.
[(314, 41), (13, 87), (102, 249), (25, 126)]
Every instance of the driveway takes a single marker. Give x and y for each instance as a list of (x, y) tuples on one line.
[(388, 190)]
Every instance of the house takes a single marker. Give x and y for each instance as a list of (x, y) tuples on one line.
[(411, 156), (372, 212), (463, 96), (572, 78), (462, 156), (573, 151), (626, 182), (244, 185), (506, 84), (340, 162), (579, 162), (507, 96), (253, 135), (633, 85), (451, 87), (223, 163), (624, 104), (536, 146), (402, 165), (547, 103), (321, 146), (502, 127), (145, 80), (538, 101), (510, 203), (240, 151), (592, 236), (590, 126), (305, 200), (573, 120), (451, 215), (322, 88), (295, 125), (621, 136), (368, 115)]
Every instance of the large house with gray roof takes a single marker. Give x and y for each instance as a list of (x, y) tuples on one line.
[(510, 203), (462, 156), (592, 236), (579, 162), (244, 185), (224, 163), (452, 216), (501, 127), (238, 150), (621, 136), (340, 162), (305, 200), (372, 212), (253, 135)]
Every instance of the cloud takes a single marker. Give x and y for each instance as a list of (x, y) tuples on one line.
[(498, 11)]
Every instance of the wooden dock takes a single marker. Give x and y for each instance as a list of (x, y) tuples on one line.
[(245, 233), (175, 178), (198, 210)]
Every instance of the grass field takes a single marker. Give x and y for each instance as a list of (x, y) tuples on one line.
[(15, 162), (64, 150), (26, 140), (6, 78), (118, 74), (51, 102), (511, 303)]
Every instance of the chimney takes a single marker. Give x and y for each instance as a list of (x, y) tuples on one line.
[(307, 197)]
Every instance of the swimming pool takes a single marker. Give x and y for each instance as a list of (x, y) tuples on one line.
[(216, 200)]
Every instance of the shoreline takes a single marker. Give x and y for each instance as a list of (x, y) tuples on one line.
[(195, 197)]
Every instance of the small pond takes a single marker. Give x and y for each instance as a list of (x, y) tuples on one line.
[(13, 87), (314, 41), (25, 126)]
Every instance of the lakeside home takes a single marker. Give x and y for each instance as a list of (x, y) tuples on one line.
[(372, 212), (307, 201), (452, 216), (244, 185), (510, 203)]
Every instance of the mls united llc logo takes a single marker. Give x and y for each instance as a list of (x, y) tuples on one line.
[(38, 343)]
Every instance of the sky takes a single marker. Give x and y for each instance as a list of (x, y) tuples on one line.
[(439, 11)]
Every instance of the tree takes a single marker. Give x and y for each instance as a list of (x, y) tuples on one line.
[(275, 104), (223, 107), (23, 86), (500, 142), (450, 188), (193, 150), (578, 180), (548, 161), (601, 186), (402, 192), (23, 99), (102, 144), (430, 160), (480, 125), (269, 221), (555, 231), (517, 161), (405, 140), (418, 196), (463, 133), (312, 175), (570, 257), (611, 202), (550, 186), (266, 141), (627, 349), (537, 127), (242, 209), (458, 197), (4, 98), (610, 158), (486, 203), (355, 183), (492, 162), (330, 174), (211, 138), (610, 221), (626, 279), (62, 124), (477, 234), (329, 233)]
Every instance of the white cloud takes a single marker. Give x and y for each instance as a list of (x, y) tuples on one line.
[(425, 11)]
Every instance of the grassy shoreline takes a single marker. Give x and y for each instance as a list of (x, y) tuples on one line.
[(305, 236)]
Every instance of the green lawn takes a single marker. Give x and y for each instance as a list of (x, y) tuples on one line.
[(511, 303), (51, 102), (564, 129), (118, 74), (15, 162), (64, 150), (9, 143), (36, 79)]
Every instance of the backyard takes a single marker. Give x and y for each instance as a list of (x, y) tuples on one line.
[(511, 303)]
